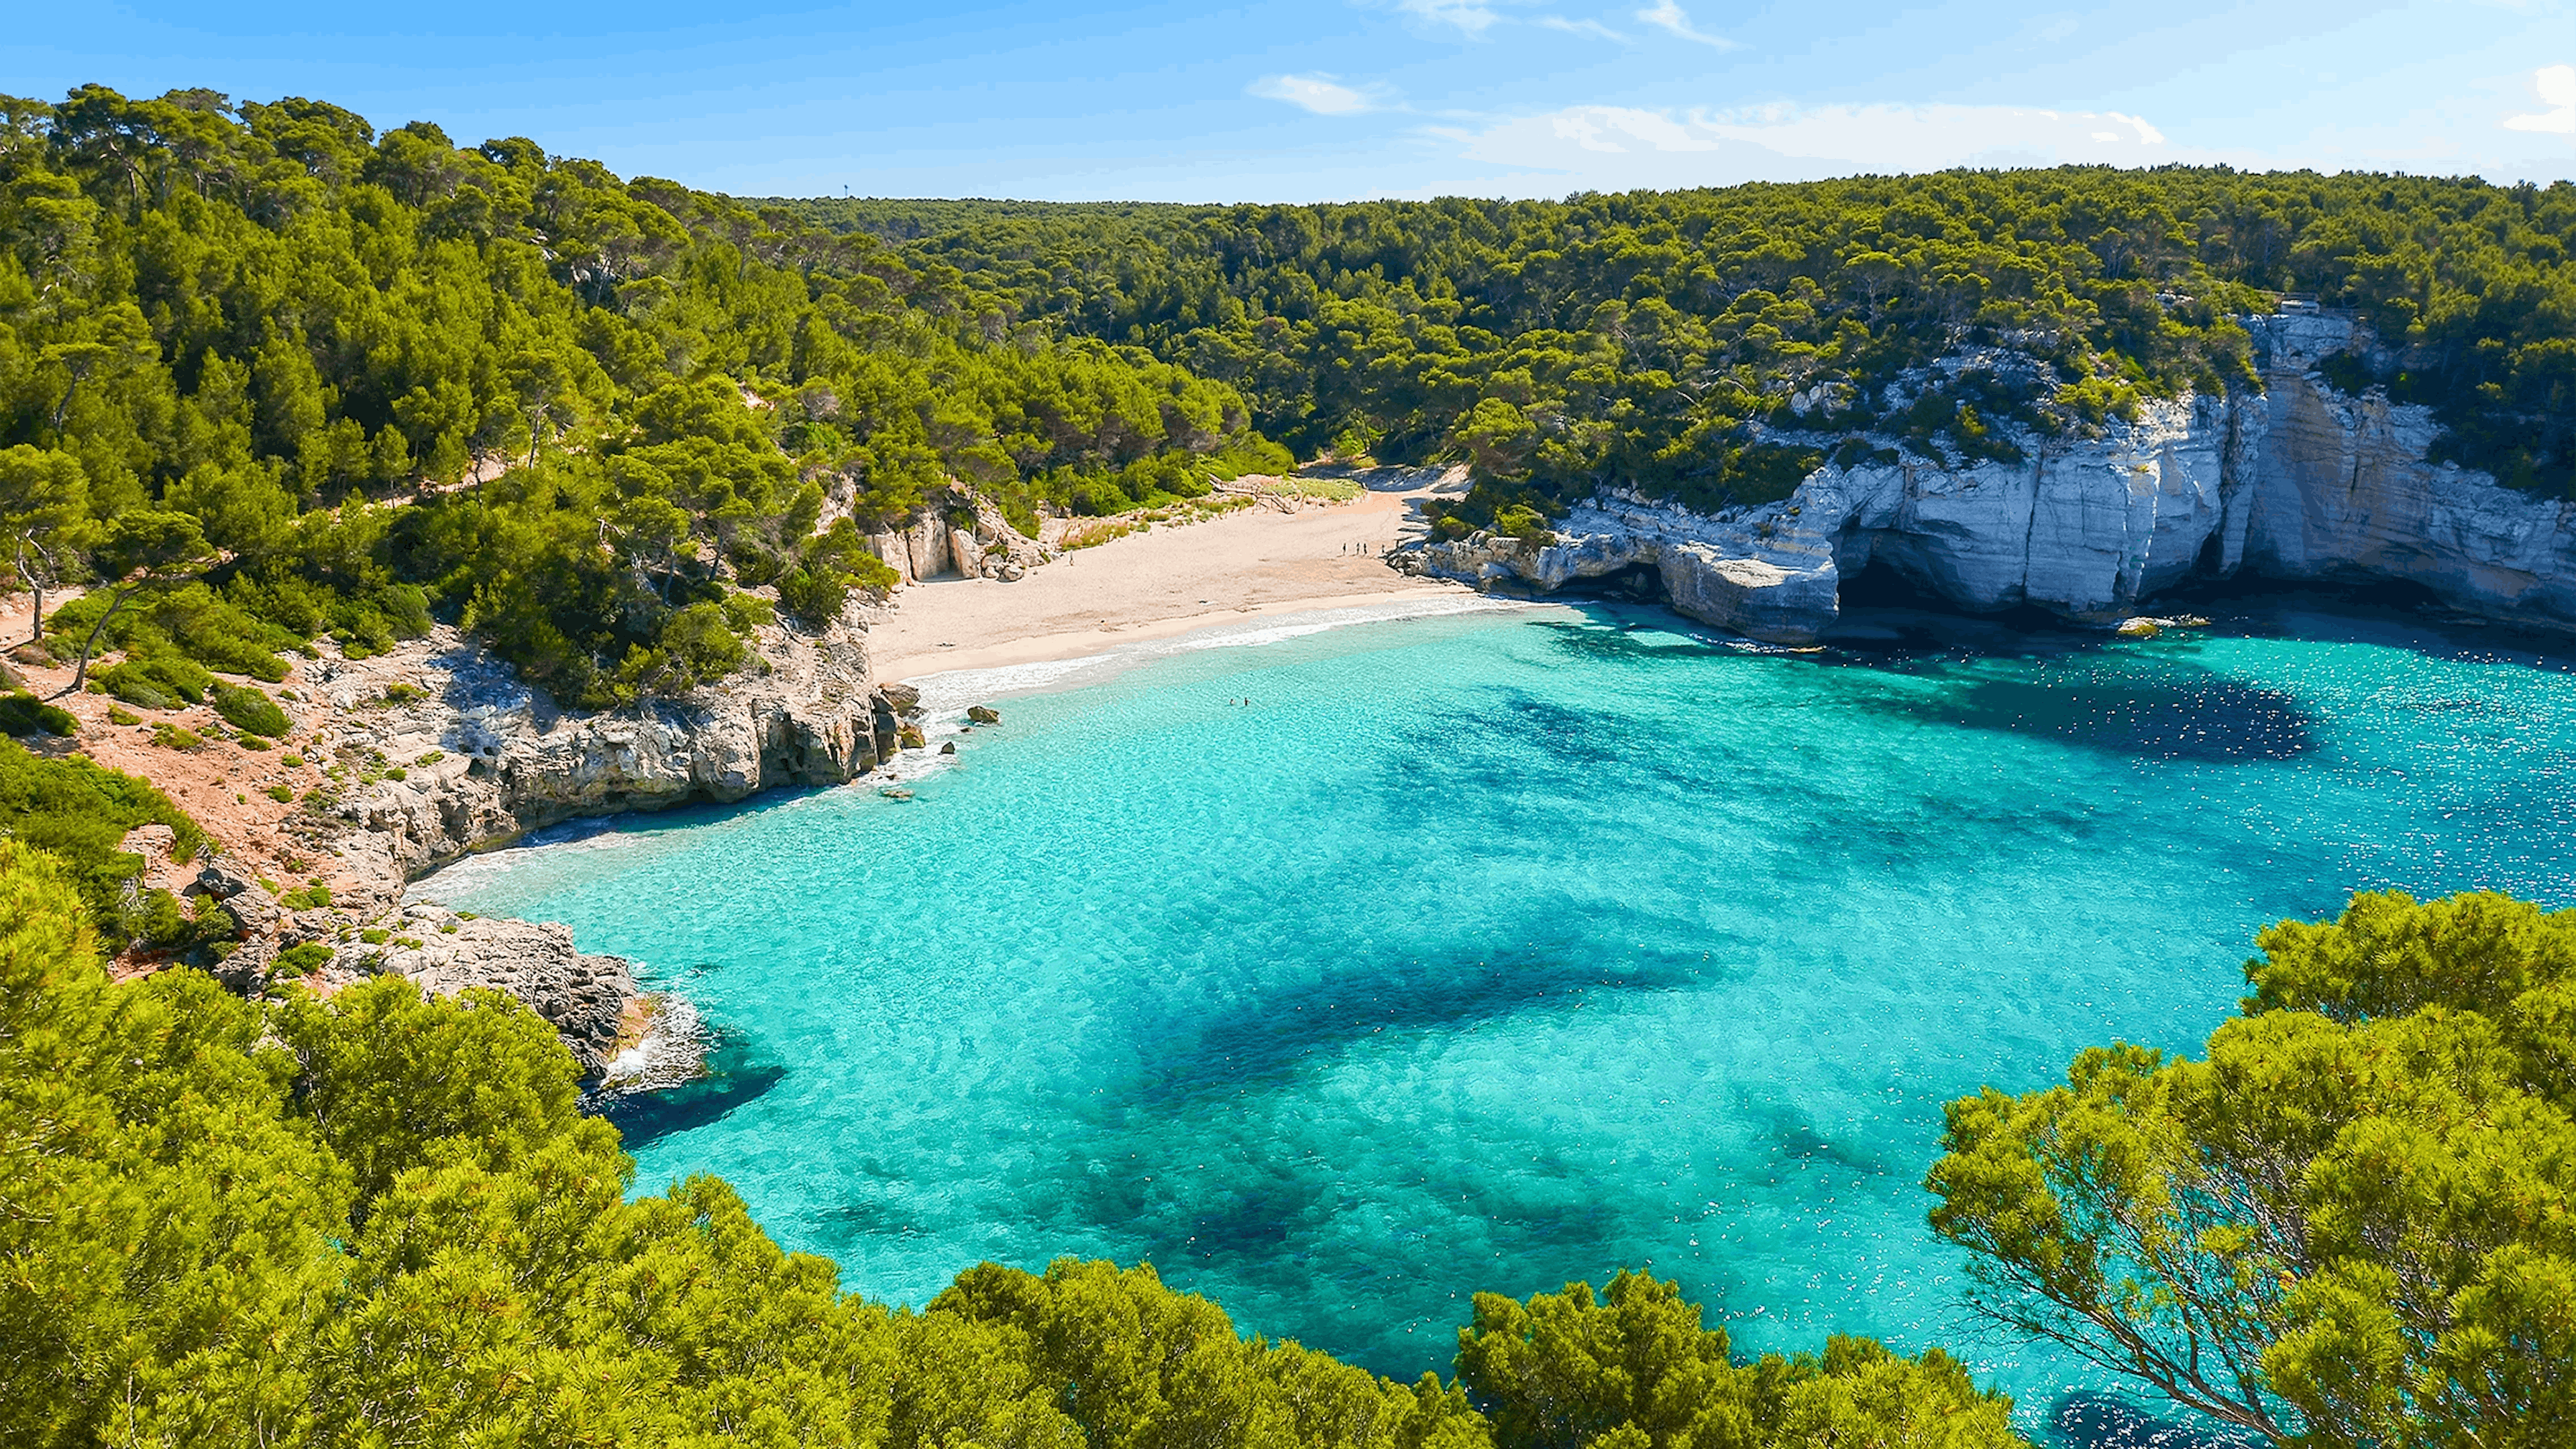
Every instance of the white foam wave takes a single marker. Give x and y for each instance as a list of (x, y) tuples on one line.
[(673, 1051)]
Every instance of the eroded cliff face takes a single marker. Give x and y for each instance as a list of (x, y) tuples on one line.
[(484, 756), (934, 545), (2299, 481)]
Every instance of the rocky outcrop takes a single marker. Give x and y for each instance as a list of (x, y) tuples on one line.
[(592, 1001), (463, 753), (2299, 481), (942, 541), (439, 748)]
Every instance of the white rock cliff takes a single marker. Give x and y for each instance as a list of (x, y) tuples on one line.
[(2297, 482)]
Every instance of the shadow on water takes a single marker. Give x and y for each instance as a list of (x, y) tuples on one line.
[(2165, 711), (1793, 1136), (2101, 1421), (1202, 1052), (735, 1075)]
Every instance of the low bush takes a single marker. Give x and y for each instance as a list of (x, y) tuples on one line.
[(81, 812), (23, 715), (248, 708)]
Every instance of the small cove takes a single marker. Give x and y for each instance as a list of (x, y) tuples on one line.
[(1490, 950)]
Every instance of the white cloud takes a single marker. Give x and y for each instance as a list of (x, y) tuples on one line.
[(2556, 85), (1593, 28), (1617, 147), (1467, 15), (1317, 93), (2147, 135), (1668, 14)]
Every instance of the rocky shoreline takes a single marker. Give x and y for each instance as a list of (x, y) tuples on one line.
[(2299, 482), (453, 753)]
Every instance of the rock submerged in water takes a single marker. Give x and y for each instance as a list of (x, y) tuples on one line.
[(984, 714)]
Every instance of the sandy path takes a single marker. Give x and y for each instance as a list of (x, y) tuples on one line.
[(1167, 581)]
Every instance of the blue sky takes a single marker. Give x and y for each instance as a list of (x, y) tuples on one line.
[(1338, 99)]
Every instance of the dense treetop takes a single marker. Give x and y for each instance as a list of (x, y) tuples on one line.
[(2351, 1224), (1657, 338)]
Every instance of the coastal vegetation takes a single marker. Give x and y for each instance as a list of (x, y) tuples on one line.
[(250, 353), (2348, 1223), (269, 377), (1714, 345), (384, 1218)]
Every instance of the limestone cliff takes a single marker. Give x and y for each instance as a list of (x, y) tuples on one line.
[(472, 755), (2298, 481), (946, 540)]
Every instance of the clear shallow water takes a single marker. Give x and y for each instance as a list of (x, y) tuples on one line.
[(1490, 951)]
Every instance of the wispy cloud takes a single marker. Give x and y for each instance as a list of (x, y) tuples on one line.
[(1470, 17), (2557, 87), (1593, 28), (1318, 93), (1668, 15), (1614, 147)]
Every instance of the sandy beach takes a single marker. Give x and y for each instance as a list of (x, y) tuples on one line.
[(1170, 580)]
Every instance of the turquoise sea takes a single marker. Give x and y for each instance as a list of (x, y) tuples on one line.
[(1502, 948)]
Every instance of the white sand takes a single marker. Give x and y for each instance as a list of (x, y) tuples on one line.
[(1170, 580)]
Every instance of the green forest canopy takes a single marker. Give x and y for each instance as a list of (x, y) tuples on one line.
[(1655, 338), (274, 320), (2350, 1224)]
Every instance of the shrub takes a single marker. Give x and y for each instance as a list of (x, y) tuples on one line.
[(307, 898), (134, 689), (815, 598), (166, 674), (301, 960), (248, 708), (23, 714), (117, 716), (280, 793), (81, 812), (172, 737)]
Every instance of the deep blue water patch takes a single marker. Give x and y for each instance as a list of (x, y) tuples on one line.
[(1489, 952)]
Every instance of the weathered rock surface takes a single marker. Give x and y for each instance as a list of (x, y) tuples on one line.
[(2297, 482), (933, 545), (484, 756), (590, 1000)]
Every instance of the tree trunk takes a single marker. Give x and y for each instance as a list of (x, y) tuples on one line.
[(80, 671)]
